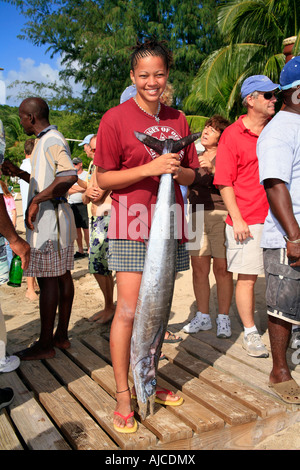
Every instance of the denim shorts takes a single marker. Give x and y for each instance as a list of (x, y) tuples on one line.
[(282, 286)]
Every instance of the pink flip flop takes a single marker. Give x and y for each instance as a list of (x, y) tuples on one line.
[(126, 429)]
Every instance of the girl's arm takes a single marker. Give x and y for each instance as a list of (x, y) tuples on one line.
[(167, 163)]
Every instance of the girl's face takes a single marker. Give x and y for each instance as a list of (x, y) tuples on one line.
[(150, 77)]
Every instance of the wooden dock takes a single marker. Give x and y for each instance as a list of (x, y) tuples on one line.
[(67, 403)]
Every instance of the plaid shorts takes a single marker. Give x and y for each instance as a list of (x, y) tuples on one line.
[(50, 263), (129, 255)]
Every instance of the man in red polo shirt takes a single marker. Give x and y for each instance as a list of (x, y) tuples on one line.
[(237, 176)]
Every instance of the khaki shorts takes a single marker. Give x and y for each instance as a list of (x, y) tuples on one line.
[(245, 257), (213, 239)]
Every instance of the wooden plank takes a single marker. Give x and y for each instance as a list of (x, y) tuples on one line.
[(243, 437), (260, 403), (97, 402), (164, 425), (228, 409), (8, 438), (199, 418), (33, 424), (220, 361), (76, 425)]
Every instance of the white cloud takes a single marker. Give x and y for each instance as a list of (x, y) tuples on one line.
[(28, 71)]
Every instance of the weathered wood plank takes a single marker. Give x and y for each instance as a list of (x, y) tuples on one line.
[(79, 429), (33, 424), (8, 438), (100, 404), (260, 403), (228, 409), (162, 423)]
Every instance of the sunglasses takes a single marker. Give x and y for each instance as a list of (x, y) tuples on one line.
[(268, 95)]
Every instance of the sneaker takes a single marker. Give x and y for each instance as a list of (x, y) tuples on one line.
[(198, 323), (9, 363), (254, 346), (6, 397), (223, 326), (295, 339)]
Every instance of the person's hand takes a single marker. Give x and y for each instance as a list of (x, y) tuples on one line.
[(31, 214), (21, 247), (9, 168), (93, 192), (206, 164), (241, 231), (167, 163), (293, 253)]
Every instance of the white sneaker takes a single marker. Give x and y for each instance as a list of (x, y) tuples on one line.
[(9, 363), (254, 346), (198, 323), (223, 326)]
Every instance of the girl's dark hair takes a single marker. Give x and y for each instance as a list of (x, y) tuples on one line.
[(151, 47)]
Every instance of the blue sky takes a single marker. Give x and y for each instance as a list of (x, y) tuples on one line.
[(20, 59)]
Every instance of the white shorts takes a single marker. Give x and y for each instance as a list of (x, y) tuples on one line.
[(245, 257)]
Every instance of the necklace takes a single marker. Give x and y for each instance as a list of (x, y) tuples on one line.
[(149, 114)]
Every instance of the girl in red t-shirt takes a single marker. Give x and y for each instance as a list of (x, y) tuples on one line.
[(128, 171)]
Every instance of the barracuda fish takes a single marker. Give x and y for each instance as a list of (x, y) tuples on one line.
[(157, 284)]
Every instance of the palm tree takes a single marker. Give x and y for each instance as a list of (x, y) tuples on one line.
[(253, 32)]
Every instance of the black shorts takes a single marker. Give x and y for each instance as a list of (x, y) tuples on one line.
[(80, 215)]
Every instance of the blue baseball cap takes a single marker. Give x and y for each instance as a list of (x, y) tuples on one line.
[(86, 140), (257, 83), (128, 93), (290, 74)]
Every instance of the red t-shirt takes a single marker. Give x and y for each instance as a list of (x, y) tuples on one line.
[(237, 166), (119, 149)]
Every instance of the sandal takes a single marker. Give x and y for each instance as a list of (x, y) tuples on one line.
[(172, 338), (288, 391), (164, 402), (126, 429)]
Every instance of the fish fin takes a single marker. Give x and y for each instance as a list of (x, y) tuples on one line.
[(184, 142), (152, 142)]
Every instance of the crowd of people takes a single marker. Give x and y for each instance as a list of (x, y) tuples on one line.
[(245, 178)]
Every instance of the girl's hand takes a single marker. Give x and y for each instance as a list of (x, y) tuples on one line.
[(167, 163)]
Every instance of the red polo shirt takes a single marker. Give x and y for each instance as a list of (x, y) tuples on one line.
[(237, 166)]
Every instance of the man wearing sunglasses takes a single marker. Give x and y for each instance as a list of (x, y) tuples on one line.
[(237, 177), (278, 152)]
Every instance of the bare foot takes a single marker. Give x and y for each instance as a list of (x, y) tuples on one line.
[(104, 316), (31, 295), (61, 343), (35, 352)]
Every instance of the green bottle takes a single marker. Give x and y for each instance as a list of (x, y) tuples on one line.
[(15, 272)]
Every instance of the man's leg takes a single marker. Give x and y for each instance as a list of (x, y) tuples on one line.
[(244, 296), (66, 296), (279, 333), (44, 348)]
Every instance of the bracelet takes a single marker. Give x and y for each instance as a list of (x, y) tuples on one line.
[(291, 241)]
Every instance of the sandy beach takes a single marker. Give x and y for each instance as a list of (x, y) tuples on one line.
[(22, 318)]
